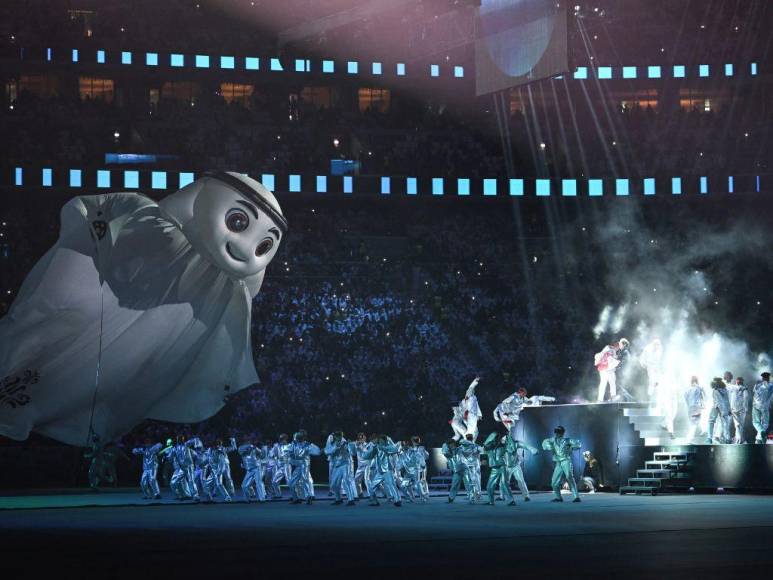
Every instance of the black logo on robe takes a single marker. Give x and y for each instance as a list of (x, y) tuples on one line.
[(13, 388), (100, 228)]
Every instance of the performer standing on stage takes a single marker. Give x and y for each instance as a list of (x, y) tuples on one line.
[(280, 453), (471, 410), (562, 456), (253, 484), (459, 473), (381, 469), (509, 410), (739, 404), (414, 461), (496, 450), (763, 393), (720, 410), (469, 453), (299, 454), (607, 361), (149, 481), (695, 398), (514, 462), (217, 457), (182, 482), (340, 453), (362, 475)]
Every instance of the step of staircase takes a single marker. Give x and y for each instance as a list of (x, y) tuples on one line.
[(655, 473), (672, 455), (646, 482), (638, 490), (672, 464), (663, 440)]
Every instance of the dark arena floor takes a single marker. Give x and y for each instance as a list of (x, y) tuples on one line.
[(605, 536)]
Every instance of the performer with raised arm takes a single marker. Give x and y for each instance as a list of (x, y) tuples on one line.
[(149, 481), (300, 454), (514, 462), (182, 482), (381, 469), (340, 452), (739, 405), (495, 447), (253, 484), (562, 449), (414, 460), (509, 410), (470, 409), (459, 472), (761, 397), (695, 398), (607, 362), (362, 475), (469, 452)]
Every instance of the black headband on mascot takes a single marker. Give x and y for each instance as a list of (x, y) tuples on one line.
[(252, 195)]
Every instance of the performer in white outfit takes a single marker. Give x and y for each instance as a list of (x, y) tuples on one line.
[(508, 411), (740, 397), (470, 409), (695, 398), (606, 363)]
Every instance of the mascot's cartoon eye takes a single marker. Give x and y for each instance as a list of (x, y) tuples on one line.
[(264, 247), (236, 220)]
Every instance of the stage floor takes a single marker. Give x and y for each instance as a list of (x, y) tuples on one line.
[(606, 536)]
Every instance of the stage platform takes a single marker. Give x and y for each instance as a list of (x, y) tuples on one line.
[(605, 536)]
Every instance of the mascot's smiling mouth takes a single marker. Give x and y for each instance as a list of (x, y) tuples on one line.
[(230, 253)]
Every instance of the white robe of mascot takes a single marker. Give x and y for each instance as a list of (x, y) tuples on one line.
[(140, 310)]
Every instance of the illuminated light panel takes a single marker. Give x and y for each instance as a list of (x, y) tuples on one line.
[(202, 61), (730, 184), (376, 68), (131, 179), (400, 69), (46, 177), (595, 187), (703, 70), (252, 63), (676, 185), (434, 70), (649, 186), (302, 65), (516, 187), (151, 59), (267, 179), (704, 184), (321, 184), (348, 184), (542, 187), (100, 57), (489, 187), (276, 65), (462, 186), (227, 62), (158, 179), (410, 186), (679, 71), (18, 176), (76, 178), (654, 72), (126, 57), (176, 60), (75, 55), (621, 187), (752, 69), (386, 186), (630, 72), (103, 178), (328, 66), (569, 187), (294, 183), (352, 67), (437, 186), (604, 72), (185, 178), (581, 73), (458, 72), (48, 54)]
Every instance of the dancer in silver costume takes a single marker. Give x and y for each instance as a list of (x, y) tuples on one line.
[(470, 455), (202, 476), (496, 448), (149, 481), (695, 399), (761, 397), (300, 452), (739, 406), (280, 453), (459, 472), (509, 411), (514, 462), (219, 466), (562, 449), (340, 452), (252, 461), (719, 412), (381, 470), (182, 482), (362, 475), (415, 467)]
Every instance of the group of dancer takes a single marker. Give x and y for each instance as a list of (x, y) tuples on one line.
[(383, 467), (728, 405)]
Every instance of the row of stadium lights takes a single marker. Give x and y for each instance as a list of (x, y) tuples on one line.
[(515, 187)]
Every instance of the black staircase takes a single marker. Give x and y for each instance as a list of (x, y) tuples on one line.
[(669, 470)]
